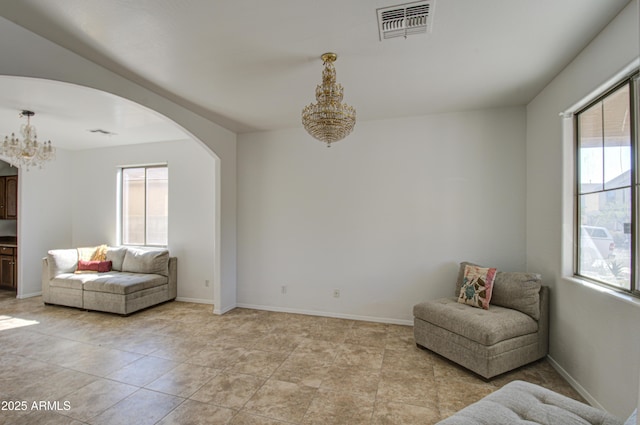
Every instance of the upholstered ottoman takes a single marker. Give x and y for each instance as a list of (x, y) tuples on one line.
[(521, 402)]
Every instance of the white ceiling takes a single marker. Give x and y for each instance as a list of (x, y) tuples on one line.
[(253, 64), (65, 114)]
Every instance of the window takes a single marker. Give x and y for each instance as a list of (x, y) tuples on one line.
[(607, 189), (145, 205)]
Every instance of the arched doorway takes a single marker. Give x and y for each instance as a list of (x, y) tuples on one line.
[(72, 200)]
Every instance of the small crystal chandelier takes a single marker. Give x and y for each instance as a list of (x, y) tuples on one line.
[(27, 152), (329, 120)]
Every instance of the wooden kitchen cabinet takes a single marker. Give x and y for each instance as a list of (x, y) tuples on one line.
[(9, 197), (8, 267)]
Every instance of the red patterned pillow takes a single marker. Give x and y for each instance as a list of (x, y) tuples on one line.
[(477, 286), (94, 266)]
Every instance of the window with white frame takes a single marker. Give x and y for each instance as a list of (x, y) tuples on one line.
[(144, 213), (607, 189)]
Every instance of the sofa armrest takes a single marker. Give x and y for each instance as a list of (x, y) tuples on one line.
[(45, 280), (543, 322), (173, 277)]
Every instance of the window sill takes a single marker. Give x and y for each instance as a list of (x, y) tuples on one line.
[(627, 298)]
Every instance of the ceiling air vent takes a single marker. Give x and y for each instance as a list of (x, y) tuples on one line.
[(405, 19)]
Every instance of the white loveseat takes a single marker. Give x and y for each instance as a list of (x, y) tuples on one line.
[(139, 278)]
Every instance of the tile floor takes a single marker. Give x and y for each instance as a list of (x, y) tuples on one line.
[(177, 363)]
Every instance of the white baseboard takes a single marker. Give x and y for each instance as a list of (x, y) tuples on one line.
[(195, 300), (574, 384), (34, 294), (328, 314), (223, 310)]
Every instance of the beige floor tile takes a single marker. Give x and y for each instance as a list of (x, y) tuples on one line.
[(337, 408), (179, 349), (244, 418), (443, 368), (219, 356), (99, 361), (244, 367), (15, 367), (351, 380), (40, 418), (195, 413), (408, 359), (58, 350), (143, 371), (10, 322), (317, 349), (25, 343), (283, 401), (350, 355), (93, 399), (55, 386), (179, 329), (258, 363), (406, 386), (300, 368), (456, 393), (143, 407), (280, 343), (375, 336), (389, 413), (183, 380), (400, 337), (328, 329), (16, 415), (230, 390), (133, 343)]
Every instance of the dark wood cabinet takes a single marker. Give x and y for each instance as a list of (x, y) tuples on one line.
[(8, 267), (9, 197), (8, 251)]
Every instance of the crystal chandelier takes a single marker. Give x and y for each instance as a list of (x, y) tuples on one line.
[(329, 120), (27, 152)]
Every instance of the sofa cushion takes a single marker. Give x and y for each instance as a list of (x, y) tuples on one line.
[(486, 327), (521, 402), (67, 280), (520, 291), (154, 261), (477, 286), (62, 261), (116, 254), (123, 282)]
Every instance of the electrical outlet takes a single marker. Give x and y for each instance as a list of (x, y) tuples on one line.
[(206, 283), (283, 289), (336, 293)]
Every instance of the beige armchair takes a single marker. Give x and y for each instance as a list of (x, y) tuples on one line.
[(512, 332)]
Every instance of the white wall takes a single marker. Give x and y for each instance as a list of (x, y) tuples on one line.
[(191, 205), (50, 61), (594, 334), (44, 208), (384, 215)]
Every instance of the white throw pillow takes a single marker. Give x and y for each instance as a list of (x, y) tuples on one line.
[(116, 254), (153, 261)]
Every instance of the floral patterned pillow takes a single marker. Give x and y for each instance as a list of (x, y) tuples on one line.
[(477, 285)]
